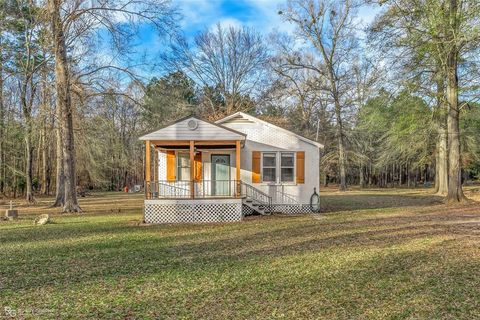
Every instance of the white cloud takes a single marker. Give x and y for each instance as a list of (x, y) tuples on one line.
[(262, 16), (268, 18), (198, 12), (366, 14), (227, 23)]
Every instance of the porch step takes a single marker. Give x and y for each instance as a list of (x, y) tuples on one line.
[(255, 199), (257, 207)]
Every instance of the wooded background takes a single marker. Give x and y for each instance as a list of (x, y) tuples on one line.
[(395, 103)]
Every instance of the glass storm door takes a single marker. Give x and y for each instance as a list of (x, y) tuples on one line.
[(220, 174)]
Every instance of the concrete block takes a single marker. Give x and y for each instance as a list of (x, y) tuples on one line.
[(11, 214)]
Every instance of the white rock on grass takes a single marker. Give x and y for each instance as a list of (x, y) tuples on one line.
[(42, 219)]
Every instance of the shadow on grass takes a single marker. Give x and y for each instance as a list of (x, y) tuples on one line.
[(400, 284), (421, 262), (68, 256), (351, 201)]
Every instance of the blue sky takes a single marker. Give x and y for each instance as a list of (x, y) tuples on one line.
[(198, 15), (259, 14)]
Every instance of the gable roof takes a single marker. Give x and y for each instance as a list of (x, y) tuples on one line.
[(250, 118), (204, 130)]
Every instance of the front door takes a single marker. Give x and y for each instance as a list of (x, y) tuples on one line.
[(220, 174)]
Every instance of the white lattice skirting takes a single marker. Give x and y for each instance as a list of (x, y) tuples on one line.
[(291, 208), (193, 210)]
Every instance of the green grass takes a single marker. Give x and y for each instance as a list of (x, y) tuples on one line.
[(394, 254)]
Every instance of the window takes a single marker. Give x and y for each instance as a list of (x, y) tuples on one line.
[(183, 166), (278, 164), (287, 166), (269, 167)]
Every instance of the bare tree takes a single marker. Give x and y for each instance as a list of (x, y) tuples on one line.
[(73, 24), (298, 91), (229, 60), (25, 65), (64, 105), (328, 27)]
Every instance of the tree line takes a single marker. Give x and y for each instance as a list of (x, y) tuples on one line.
[(394, 102)]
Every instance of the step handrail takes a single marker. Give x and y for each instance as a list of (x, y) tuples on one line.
[(256, 194)]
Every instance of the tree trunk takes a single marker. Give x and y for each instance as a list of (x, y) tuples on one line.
[(26, 110), (392, 175), (342, 157), (416, 178), (425, 175), (44, 174), (15, 176), (29, 167), (455, 192), (2, 124), (409, 180), (400, 175), (362, 176), (65, 104), (385, 180), (43, 133), (370, 174), (60, 178), (442, 163), (441, 156)]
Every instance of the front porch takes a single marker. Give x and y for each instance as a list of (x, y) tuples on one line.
[(193, 181), (193, 169), (193, 174)]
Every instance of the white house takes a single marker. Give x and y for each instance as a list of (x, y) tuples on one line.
[(222, 171)]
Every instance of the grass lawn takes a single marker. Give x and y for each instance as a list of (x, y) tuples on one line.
[(390, 254)]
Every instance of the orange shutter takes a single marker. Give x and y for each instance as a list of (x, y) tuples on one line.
[(198, 166), (256, 159), (171, 165), (300, 166)]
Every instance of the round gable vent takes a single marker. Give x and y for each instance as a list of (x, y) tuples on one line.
[(192, 124)]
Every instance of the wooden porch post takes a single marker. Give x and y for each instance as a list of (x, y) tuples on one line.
[(192, 168), (147, 169), (237, 162)]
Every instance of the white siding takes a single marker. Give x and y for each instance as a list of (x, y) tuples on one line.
[(262, 137), (162, 166), (204, 131)]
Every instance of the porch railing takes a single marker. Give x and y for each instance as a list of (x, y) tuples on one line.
[(201, 189), (279, 196), (205, 189)]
